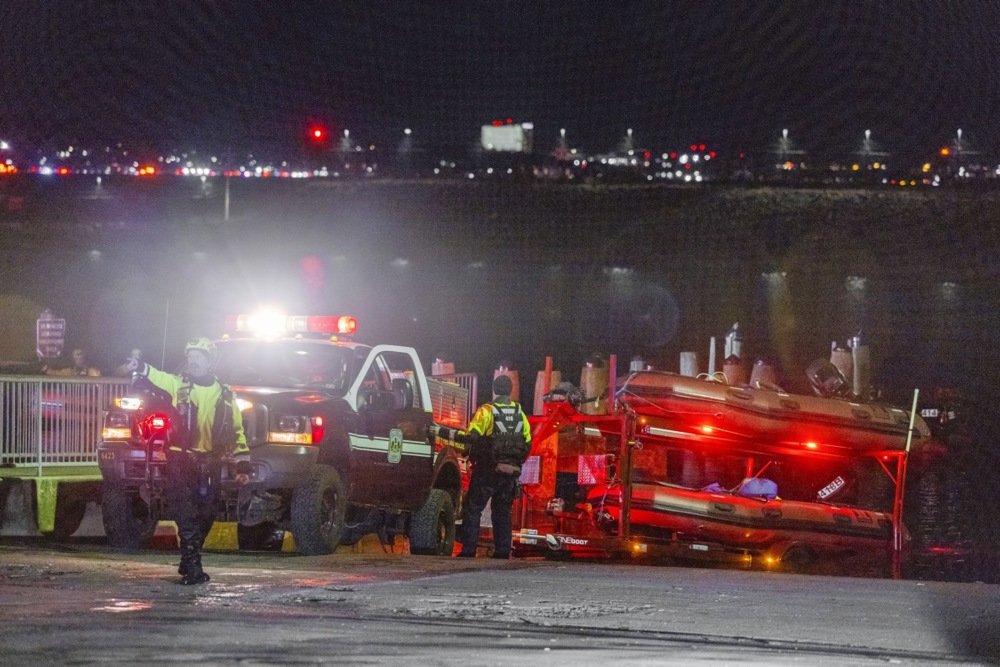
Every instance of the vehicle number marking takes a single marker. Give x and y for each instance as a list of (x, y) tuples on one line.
[(395, 445), (831, 488)]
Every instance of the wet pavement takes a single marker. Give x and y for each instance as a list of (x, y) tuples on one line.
[(79, 602)]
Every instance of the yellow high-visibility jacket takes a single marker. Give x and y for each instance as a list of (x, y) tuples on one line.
[(205, 398)]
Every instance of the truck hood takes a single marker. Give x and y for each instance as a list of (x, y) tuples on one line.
[(273, 395)]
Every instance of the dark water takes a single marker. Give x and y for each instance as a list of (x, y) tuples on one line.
[(484, 272)]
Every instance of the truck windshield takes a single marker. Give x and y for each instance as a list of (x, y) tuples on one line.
[(298, 364)]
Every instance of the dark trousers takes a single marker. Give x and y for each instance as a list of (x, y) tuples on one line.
[(192, 496), (488, 485)]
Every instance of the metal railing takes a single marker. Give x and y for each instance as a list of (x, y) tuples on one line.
[(469, 382), (53, 422)]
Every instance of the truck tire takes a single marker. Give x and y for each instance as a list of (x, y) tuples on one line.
[(129, 522), (432, 528), (317, 512)]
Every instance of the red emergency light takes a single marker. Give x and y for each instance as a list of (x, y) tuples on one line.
[(269, 323), (153, 424), (332, 324), (318, 429)]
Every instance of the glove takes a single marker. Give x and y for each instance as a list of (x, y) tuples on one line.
[(241, 469), (471, 438), (136, 367)]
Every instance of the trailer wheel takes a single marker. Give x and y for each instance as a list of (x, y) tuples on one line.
[(432, 528), (799, 559), (317, 512), (129, 522)]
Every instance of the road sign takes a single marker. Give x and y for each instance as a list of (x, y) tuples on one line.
[(50, 335)]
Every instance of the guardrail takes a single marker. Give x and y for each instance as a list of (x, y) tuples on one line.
[(48, 441), (53, 422)]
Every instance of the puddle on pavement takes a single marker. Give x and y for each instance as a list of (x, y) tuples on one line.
[(123, 606)]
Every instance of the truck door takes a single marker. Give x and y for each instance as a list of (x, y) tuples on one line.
[(391, 461)]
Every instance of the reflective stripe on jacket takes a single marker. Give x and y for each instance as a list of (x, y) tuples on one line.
[(205, 399), (483, 421)]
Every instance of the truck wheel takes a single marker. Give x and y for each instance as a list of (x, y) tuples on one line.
[(129, 522), (432, 528), (317, 512)]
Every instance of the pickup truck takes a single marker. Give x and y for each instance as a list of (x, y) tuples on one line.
[(339, 436)]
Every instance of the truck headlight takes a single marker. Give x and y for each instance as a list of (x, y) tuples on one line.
[(292, 430)]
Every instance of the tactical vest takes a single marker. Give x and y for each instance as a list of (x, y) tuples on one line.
[(509, 445), (223, 433)]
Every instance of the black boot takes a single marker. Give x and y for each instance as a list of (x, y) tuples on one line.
[(195, 575), (190, 567)]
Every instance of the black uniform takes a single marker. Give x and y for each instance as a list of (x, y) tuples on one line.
[(497, 456)]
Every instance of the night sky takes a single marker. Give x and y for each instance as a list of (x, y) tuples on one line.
[(253, 75)]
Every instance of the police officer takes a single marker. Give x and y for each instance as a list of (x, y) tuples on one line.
[(500, 438), (212, 430)]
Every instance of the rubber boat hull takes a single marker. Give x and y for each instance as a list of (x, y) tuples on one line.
[(684, 403), (771, 527)]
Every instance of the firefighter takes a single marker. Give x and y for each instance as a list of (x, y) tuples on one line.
[(211, 433), (500, 439)]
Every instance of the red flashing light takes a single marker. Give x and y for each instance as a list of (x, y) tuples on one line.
[(701, 147), (347, 324), (673, 156), (318, 134), (497, 123), (154, 423), (711, 154), (510, 121), (647, 155), (273, 324), (694, 147), (318, 430)]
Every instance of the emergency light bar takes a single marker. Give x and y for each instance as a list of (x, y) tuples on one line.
[(273, 324)]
